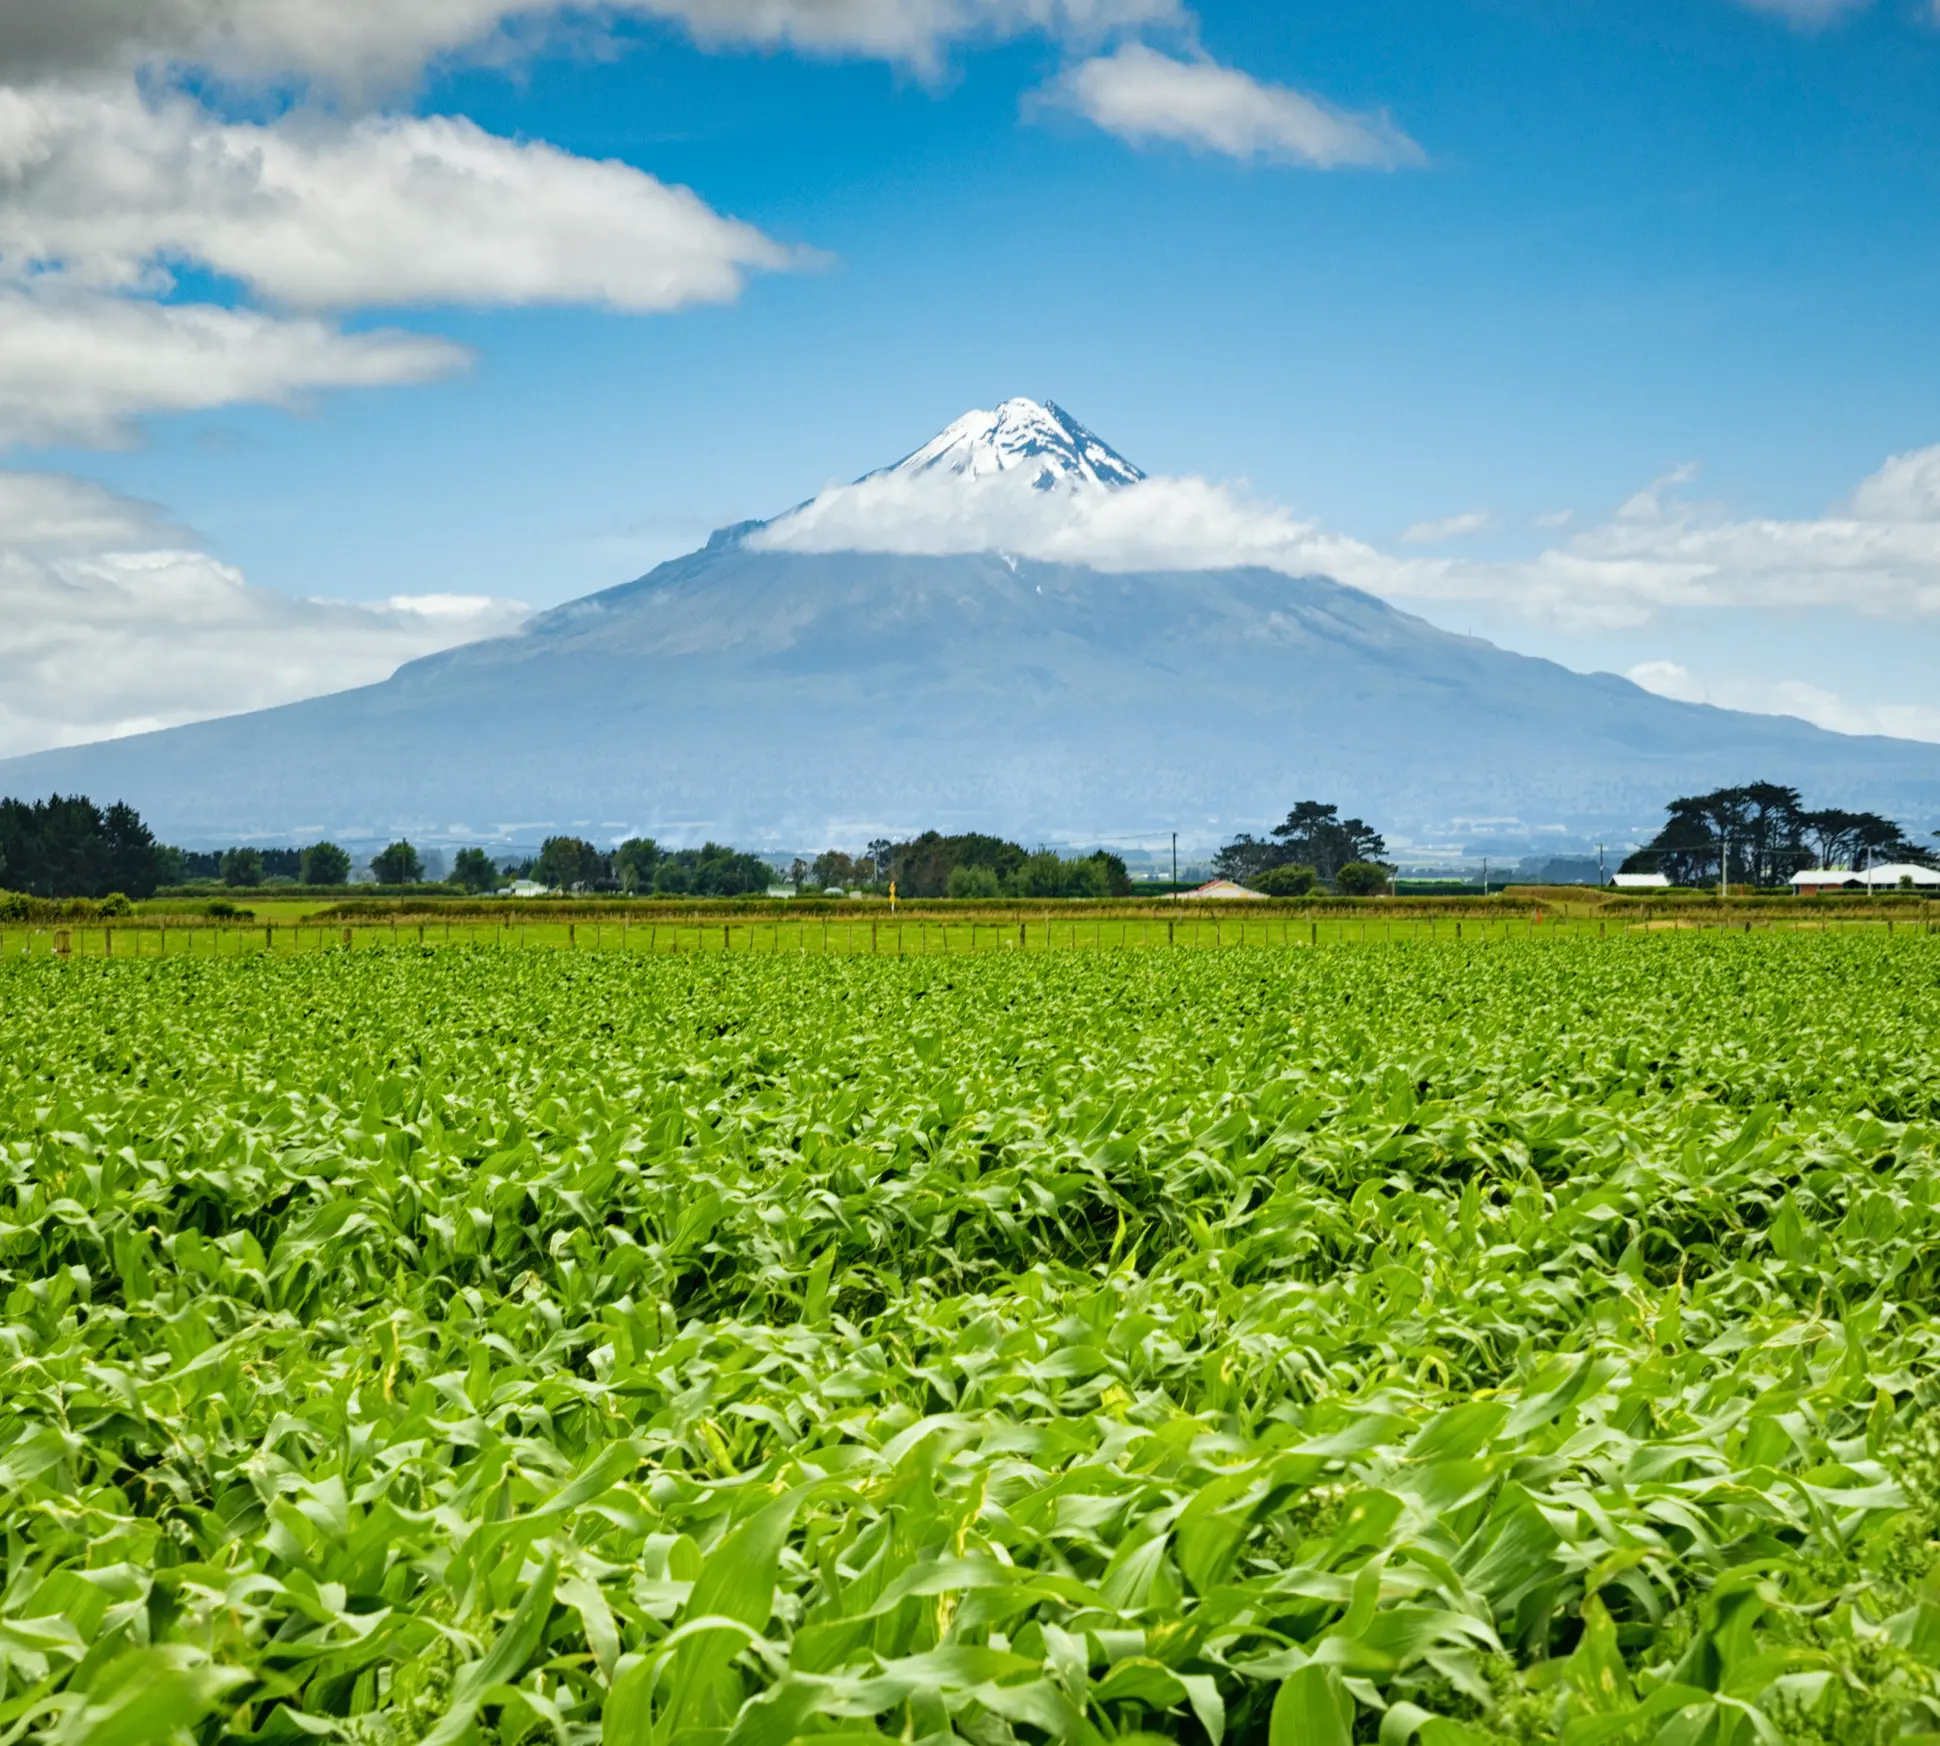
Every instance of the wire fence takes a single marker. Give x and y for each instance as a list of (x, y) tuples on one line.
[(893, 936)]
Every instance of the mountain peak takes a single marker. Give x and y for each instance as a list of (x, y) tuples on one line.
[(1036, 436)]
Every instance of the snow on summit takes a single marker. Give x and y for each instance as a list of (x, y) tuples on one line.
[(1037, 437), (1027, 478)]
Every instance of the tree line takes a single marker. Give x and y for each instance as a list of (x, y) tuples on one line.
[(641, 867), (965, 865), (1761, 833), (66, 846)]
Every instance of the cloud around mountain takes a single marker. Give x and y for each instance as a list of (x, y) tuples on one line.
[(1879, 553), (101, 581)]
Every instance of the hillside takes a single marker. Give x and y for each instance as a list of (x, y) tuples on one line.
[(788, 700)]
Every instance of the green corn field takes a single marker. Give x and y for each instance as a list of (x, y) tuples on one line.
[(1302, 1343)]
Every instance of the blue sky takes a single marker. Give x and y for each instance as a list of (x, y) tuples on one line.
[(1608, 241)]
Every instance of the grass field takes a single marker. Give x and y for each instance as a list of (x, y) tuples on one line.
[(937, 931), (1518, 1341)]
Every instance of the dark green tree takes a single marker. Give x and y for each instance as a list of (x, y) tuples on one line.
[(713, 870), (922, 866), (570, 864), (472, 870), (135, 859), (634, 862), (1118, 879), (833, 868), (1316, 835), (398, 865), (1313, 835), (242, 867), (974, 883), (1289, 879), (1247, 860), (1362, 879), (325, 864), (1766, 833), (66, 846)]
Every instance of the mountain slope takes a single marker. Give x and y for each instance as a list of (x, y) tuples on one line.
[(792, 700)]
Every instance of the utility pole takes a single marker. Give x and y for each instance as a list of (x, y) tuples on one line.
[(1175, 863), (1602, 878)]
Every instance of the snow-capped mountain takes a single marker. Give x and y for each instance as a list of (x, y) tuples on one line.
[(800, 694), (1038, 437)]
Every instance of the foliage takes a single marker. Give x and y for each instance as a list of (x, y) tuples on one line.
[(711, 871), (325, 864), (570, 864), (1118, 881), (975, 866), (1525, 1343), (242, 867), (400, 864), (922, 866), (634, 862), (1363, 879), (1312, 835), (833, 870), (1770, 836), (21, 906), (975, 883), (1047, 874), (66, 846), (472, 871), (1288, 879)]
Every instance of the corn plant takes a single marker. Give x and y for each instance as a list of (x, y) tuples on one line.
[(1444, 1346)]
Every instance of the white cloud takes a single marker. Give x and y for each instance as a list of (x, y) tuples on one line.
[(1796, 697), (1159, 523), (1654, 553), (116, 624), (78, 367), (1906, 488), (366, 42), (108, 190), (904, 30), (1451, 527), (1553, 518), (1807, 14), (1143, 97)]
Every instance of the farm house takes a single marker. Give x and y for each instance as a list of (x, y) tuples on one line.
[(1898, 875), (1895, 876), (1220, 891), (1825, 879)]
